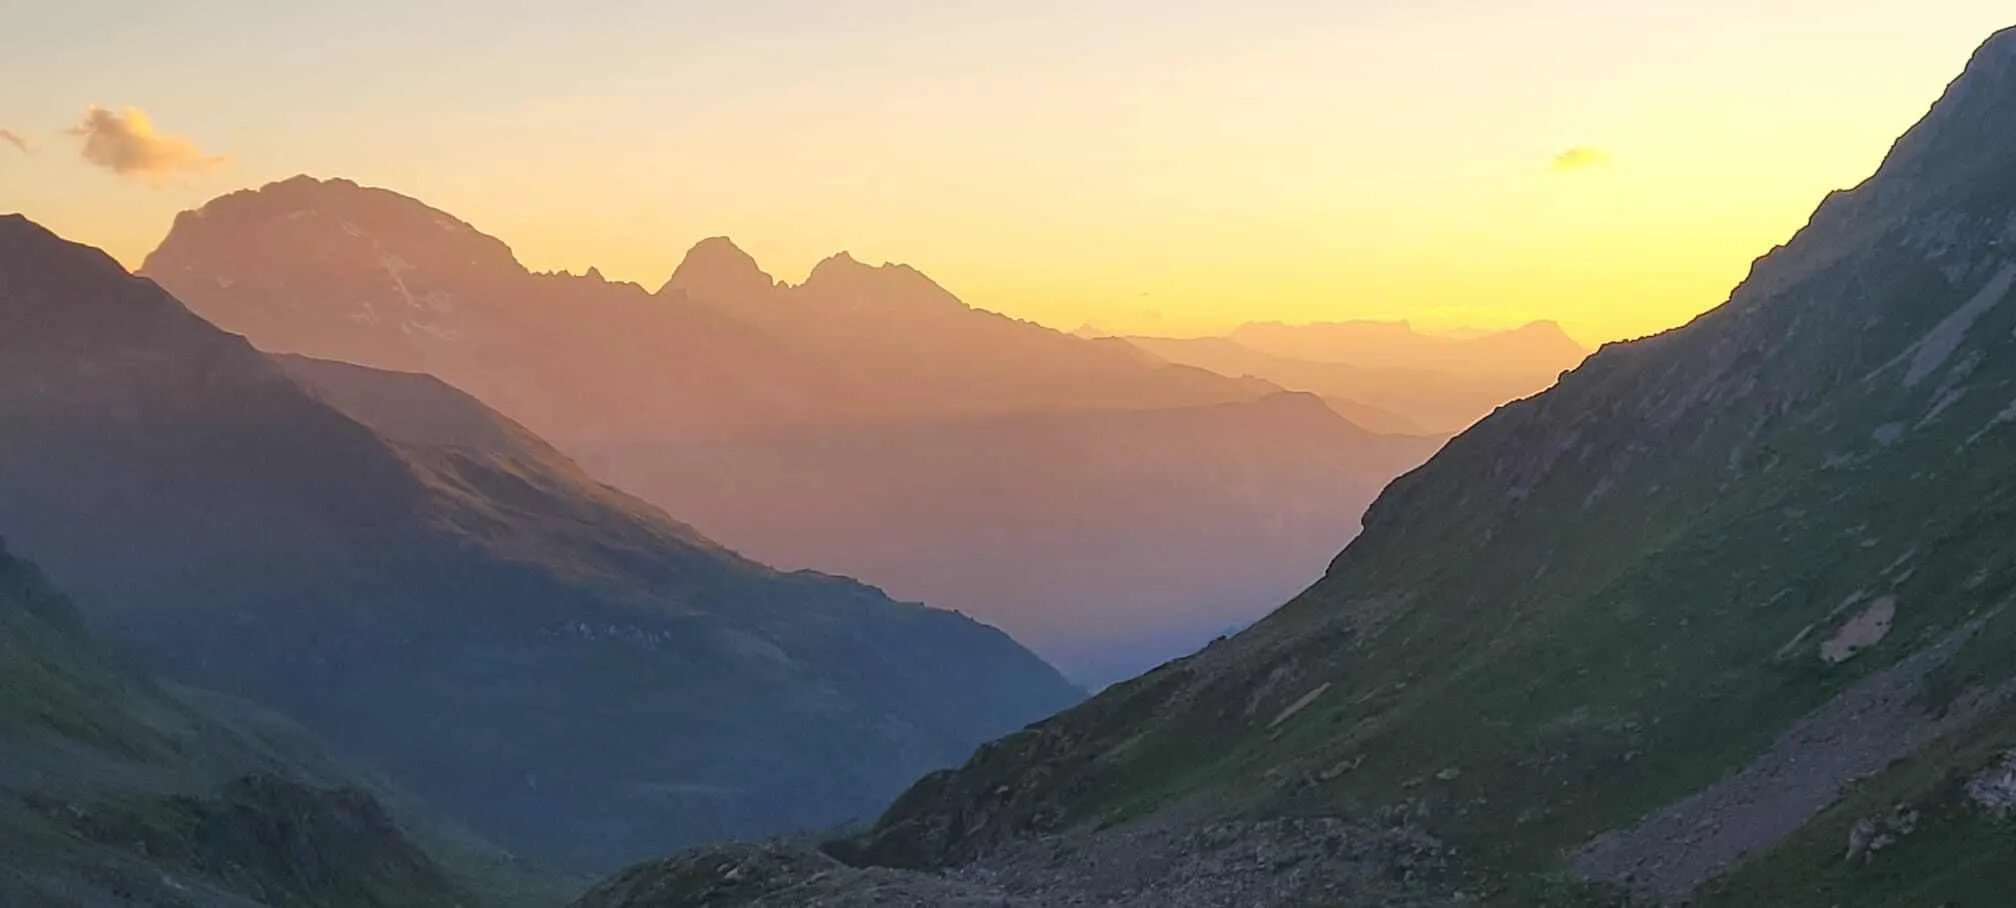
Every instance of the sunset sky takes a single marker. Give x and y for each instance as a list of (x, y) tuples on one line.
[(1172, 166)]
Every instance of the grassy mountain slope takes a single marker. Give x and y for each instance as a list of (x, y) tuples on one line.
[(1664, 626), (430, 588), (117, 791)]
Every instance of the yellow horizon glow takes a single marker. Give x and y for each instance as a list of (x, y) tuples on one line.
[(1167, 168)]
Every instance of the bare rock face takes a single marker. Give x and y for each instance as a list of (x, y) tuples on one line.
[(1873, 834), (1863, 631), (1994, 789)]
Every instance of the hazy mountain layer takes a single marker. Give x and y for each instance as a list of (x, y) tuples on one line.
[(434, 590), (1722, 616), (1108, 507), (1386, 377), (1110, 539), (1539, 349)]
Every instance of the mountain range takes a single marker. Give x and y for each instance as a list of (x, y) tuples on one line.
[(446, 599), (1387, 376), (1104, 506), (1721, 619)]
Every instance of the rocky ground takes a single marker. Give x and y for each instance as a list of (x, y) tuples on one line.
[(1669, 854), (1161, 864)]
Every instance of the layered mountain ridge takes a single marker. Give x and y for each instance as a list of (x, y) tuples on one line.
[(1387, 376), (446, 598), (864, 422)]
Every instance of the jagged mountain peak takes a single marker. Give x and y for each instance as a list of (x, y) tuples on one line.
[(1958, 147), (717, 270), (848, 278), (336, 222), (358, 273)]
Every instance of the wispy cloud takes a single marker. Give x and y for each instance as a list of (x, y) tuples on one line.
[(127, 143), (16, 139), (1578, 159)]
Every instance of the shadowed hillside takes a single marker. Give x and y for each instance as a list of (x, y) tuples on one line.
[(438, 593), (117, 791)]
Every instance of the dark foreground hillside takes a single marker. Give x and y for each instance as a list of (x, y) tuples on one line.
[(115, 790)]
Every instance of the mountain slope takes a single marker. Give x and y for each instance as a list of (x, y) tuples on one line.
[(435, 591), (1666, 628), (114, 791), (864, 422)]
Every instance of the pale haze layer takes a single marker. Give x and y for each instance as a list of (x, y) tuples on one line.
[(1154, 168)]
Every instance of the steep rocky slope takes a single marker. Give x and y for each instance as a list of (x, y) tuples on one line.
[(863, 422), (438, 593), (1721, 616)]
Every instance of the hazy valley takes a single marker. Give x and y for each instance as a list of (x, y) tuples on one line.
[(351, 563), (1109, 508)]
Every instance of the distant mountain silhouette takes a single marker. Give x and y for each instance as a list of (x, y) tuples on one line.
[(1112, 537), (770, 415), (1540, 349), (435, 590), (1385, 375)]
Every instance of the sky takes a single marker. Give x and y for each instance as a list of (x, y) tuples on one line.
[(1165, 167)]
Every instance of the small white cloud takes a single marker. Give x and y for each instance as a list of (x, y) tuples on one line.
[(128, 144)]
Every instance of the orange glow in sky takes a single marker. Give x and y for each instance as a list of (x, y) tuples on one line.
[(1168, 167)]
